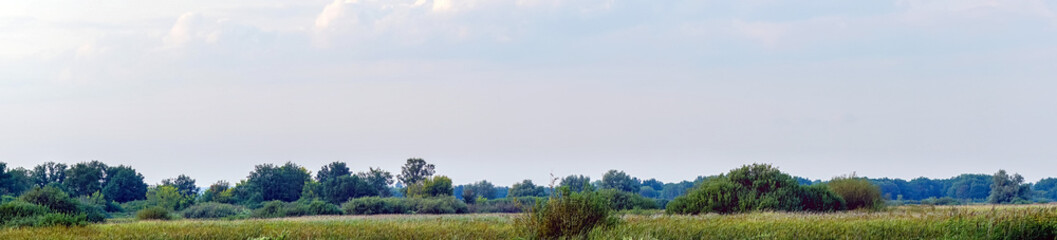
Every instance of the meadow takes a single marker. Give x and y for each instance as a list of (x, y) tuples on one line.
[(905, 222)]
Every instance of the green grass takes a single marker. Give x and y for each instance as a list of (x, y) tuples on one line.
[(907, 222)]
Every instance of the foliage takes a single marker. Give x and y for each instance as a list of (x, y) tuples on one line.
[(124, 184), (14, 181), (48, 173), (332, 171), (168, 197), (526, 189), (183, 184), (941, 201), (620, 200), (576, 183), (275, 209), (276, 183), (757, 187), (482, 189), (52, 198), (1046, 188), (619, 180), (214, 210), (566, 214), (220, 192), (504, 205), (154, 213), (20, 209), (378, 179), (85, 178), (436, 186), (415, 170), (1008, 189), (857, 192), (377, 205), (339, 189)]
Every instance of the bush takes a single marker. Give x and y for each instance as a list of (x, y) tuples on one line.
[(317, 207), (153, 213), (503, 205), (940, 201), (376, 205), (440, 205), (213, 210), (14, 210), (52, 198), (621, 200), (757, 187), (566, 215), (857, 192), (92, 213)]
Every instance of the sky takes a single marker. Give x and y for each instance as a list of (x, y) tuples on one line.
[(505, 90)]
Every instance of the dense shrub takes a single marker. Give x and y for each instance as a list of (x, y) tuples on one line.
[(52, 198), (857, 192), (376, 205), (566, 215), (757, 187), (153, 213), (440, 205), (14, 210), (213, 210), (621, 200), (504, 205), (135, 206), (275, 209)]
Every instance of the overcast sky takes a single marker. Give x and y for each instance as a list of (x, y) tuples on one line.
[(507, 90)]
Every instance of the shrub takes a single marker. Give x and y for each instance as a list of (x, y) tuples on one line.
[(18, 209), (274, 209), (213, 210), (757, 187), (621, 200), (940, 201), (566, 215), (92, 213), (153, 213), (376, 205), (440, 205), (317, 207), (135, 206), (52, 198), (857, 192), (503, 205)]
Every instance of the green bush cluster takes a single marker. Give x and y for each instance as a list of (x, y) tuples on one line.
[(621, 200), (214, 210), (505, 205), (757, 187), (154, 213), (567, 214), (49, 206), (275, 209), (377, 205), (857, 192)]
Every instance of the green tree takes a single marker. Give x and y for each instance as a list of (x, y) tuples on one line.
[(277, 183), (620, 181), (342, 188), (756, 187), (1047, 188), (431, 187), (857, 192), (415, 170), (124, 184), (379, 180), (220, 192), (1007, 188), (14, 181), (482, 189), (48, 173), (576, 183), (168, 197), (527, 189), (184, 184), (332, 171), (83, 179)]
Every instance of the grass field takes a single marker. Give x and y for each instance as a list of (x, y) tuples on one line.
[(908, 222)]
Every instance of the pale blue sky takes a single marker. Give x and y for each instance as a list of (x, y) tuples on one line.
[(507, 90)]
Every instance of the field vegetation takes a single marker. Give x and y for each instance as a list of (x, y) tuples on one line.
[(92, 200)]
